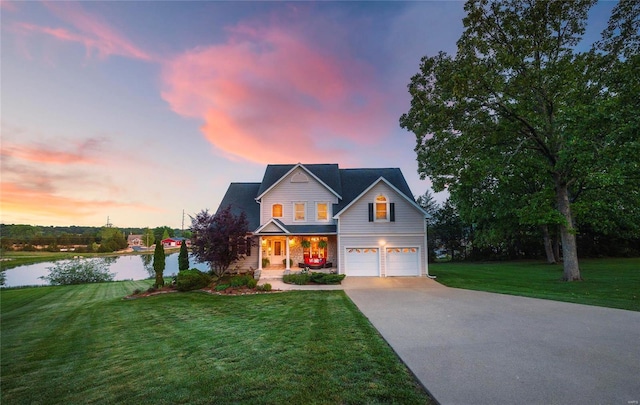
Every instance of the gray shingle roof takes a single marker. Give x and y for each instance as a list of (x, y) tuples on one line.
[(241, 197), (355, 181), (328, 173), (348, 183)]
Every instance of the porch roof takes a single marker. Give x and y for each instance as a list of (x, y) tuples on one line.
[(296, 229)]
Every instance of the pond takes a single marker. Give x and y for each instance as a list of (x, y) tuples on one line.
[(129, 267)]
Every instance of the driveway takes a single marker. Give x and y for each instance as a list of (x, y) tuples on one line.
[(470, 347)]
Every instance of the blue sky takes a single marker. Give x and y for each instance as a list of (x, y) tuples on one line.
[(138, 110)]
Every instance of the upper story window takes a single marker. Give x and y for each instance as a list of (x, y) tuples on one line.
[(276, 211), (382, 208), (300, 211), (322, 211)]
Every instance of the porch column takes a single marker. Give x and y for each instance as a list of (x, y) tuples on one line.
[(288, 264), (259, 252)]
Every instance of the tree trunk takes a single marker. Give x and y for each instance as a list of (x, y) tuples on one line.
[(548, 246), (567, 235)]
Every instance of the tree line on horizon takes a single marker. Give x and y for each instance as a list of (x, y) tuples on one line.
[(86, 238)]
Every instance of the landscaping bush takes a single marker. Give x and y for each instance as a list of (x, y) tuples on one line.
[(264, 287), (193, 279), (222, 287), (298, 279), (313, 277), (323, 278), (252, 283), (239, 281), (79, 271)]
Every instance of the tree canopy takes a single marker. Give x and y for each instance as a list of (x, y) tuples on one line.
[(520, 126), (219, 239)]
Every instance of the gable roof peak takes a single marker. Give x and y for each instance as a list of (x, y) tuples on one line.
[(327, 174)]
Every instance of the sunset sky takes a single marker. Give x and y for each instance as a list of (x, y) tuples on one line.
[(137, 111)]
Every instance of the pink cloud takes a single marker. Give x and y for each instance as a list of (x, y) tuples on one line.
[(272, 94), (95, 35), (40, 153)]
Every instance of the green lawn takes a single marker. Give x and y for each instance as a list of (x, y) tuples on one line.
[(85, 344), (613, 283)]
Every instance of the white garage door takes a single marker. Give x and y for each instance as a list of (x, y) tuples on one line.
[(362, 262), (403, 261)]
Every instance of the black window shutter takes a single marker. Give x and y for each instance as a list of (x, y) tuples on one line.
[(247, 240), (370, 212), (392, 212)]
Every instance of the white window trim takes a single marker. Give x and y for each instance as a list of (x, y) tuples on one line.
[(281, 205), (387, 208), (305, 211), (328, 211)]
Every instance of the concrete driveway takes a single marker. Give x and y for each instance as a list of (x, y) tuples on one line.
[(469, 347)]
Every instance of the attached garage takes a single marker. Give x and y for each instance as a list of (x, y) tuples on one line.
[(362, 262), (403, 261)]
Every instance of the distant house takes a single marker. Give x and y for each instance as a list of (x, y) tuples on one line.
[(175, 242), (361, 222), (134, 240)]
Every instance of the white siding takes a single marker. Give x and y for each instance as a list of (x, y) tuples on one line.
[(356, 218), (408, 230), (287, 192)]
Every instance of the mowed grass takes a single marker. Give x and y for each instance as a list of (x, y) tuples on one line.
[(85, 344), (613, 283)]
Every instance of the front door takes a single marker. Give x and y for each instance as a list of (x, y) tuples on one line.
[(278, 254)]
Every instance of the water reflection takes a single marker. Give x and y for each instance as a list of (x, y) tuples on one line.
[(130, 267), (147, 263)]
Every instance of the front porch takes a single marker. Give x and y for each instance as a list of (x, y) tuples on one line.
[(294, 252)]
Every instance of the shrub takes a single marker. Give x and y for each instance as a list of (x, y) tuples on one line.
[(265, 262), (222, 287), (151, 289), (314, 277), (193, 279), (323, 278), (252, 283), (264, 287), (137, 291), (298, 279), (239, 281), (79, 271)]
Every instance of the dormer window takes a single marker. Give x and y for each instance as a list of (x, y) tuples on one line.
[(276, 211), (382, 208)]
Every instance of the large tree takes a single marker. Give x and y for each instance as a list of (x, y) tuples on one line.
[(219, 239), (518, 100)]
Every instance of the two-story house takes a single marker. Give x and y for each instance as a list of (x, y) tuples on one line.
[(360, 222)]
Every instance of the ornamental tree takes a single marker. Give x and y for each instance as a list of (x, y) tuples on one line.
[(183, 258), (219, 239), (159, 264)]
